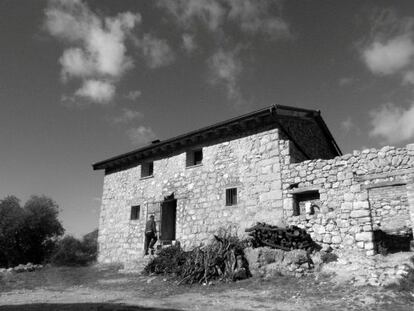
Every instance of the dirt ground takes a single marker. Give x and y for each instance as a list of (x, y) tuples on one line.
[(104, 288)]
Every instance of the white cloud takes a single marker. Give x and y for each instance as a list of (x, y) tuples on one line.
[(251, 16), (390, 50), (156, 52), (255, 17), (127, 115), (189, 43), (76, 63), (225, 68), (393, 124), (141, 135), (243, 18), (186, 12), (97, 50), (97, 91), (134, 95), (390, 57)]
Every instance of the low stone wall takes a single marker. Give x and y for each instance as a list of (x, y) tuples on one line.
[(350, 196), (29, 267)]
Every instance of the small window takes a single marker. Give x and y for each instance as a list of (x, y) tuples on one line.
[(194, 157), (231, 196), (135, 212), (306, 202), (147, 169)]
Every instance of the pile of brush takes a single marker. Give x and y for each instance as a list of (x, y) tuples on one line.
[(223, 259)]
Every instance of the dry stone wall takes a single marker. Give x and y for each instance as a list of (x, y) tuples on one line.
[(389, 207), (251, 164), (350, 202)]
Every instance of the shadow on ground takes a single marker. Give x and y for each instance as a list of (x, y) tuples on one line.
[(79, 307)]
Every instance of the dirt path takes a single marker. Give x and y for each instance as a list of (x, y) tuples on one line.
[(82, 289)]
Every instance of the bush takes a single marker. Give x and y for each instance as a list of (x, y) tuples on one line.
[(169, 260), (73, 252), (90, 245), (222, 259)]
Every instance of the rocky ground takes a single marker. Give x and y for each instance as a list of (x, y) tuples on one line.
[(105, 288)]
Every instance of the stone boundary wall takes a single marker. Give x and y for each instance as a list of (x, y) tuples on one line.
[(343, 217)]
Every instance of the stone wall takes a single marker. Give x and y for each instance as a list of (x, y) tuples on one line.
[(251, 164), (350, 204), (389, 207)]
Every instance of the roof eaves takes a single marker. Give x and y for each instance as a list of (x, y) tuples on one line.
[(107, 163)]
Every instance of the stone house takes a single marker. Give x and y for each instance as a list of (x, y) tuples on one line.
[(278, 165)]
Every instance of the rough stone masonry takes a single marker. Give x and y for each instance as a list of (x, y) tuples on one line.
[(358, 193), (286, 170)]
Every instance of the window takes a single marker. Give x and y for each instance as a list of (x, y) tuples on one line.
[(194, 157), (306, 202), (147, 169), (231, 196), (135, 212)]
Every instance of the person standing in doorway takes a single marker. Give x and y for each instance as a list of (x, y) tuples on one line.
[(150, 235)]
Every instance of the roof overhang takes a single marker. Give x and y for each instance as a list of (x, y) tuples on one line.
[(254, 120)]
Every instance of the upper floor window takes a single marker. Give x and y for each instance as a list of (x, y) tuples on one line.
[(231, 196), (147, 169), (135, 210), (194, 157)]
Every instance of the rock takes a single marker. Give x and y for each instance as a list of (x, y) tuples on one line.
[(317, 258), (336, 239), (359, 213), (364, 236), (373, 282), (349, 240), (297, 256), (272, 269), (369, 245), (327, 238), (360, 244), (252, 256)]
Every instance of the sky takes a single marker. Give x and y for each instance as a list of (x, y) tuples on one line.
[(81, 81)]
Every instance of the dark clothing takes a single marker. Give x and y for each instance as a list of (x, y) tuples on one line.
[(150, 226), (150, 235), (150, 240)]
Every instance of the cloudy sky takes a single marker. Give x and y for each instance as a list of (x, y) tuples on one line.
[(81, 81)]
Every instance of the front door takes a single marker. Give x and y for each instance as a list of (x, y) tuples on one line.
[(168, 217)]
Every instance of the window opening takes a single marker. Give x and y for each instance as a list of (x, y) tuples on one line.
[(135, 210), (231, 196)]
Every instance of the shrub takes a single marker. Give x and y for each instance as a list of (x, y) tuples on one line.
[(90, 245), (169, 261), (221, 259), (69, 253), (73, 252)]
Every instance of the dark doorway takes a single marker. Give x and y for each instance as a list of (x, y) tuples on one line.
[(168, 218)]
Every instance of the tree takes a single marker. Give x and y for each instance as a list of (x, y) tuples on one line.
[(11, 223), (42, 227), (28, 234)]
